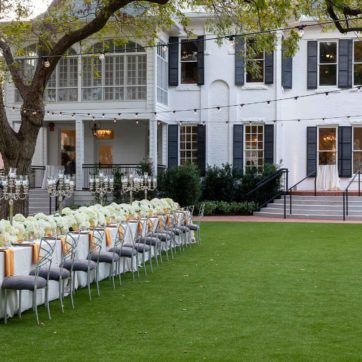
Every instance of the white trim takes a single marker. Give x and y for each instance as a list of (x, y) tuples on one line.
[(336, 150)]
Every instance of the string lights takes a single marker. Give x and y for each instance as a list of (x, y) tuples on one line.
[(136, 115)]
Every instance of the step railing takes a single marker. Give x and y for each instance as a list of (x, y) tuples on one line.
[(346, 191), (266, 187), (290, 190)]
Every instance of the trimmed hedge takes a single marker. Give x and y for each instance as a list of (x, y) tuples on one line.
[(228, 208)]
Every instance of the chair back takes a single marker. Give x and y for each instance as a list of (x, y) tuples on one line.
[(132, 226), (97, 242), (201, 210), (70, 244), (46, 252)]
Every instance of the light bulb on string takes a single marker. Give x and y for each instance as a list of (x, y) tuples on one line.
[(101, 57), (301, 30), (114, 120), (195, 110), (46, 63)]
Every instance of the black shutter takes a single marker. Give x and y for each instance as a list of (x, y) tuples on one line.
[(269, 68), (345, 151), (239, 60), (312, 64), (311, 150), (238, 149), (173, 48), (201, 60), (201, 148), (287, 71), (345, 63), (172, 145), (269, 143)]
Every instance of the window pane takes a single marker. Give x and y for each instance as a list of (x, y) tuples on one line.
[(327, 75), (357, 138), (189, 73), (327, 158), (188, 50), (328, 52), (358, 74), (255, 71), (357, 161), (327, 139), (358, 51)]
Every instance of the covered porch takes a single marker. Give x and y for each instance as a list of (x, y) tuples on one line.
[(82, 147)]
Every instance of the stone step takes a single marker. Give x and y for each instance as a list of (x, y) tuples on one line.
[(300, 216), (356, 207)]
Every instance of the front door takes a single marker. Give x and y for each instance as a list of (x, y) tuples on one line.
[(327, 172), (67, 150)]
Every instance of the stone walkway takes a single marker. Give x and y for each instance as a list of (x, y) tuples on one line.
[(268, 219)]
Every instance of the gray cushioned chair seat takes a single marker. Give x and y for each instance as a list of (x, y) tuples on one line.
[(162, 236), (54, 273), (193, 227), (24, 282), (105, 257), (149, 240), (185, 229), (139, 247), (124, 251), (80, 265)]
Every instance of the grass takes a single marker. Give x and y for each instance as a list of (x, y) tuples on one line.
[(251, 291)]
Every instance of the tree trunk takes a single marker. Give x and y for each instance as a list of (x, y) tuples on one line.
[(19, 152)]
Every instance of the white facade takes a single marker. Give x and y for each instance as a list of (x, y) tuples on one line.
[(137, 137)]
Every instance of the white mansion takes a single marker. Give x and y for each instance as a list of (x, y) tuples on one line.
[(119, 115)]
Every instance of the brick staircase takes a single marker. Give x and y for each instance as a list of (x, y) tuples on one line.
[(326, 205)]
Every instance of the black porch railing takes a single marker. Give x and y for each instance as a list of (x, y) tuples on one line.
[(270, 188), (346, 192), (90, 169)]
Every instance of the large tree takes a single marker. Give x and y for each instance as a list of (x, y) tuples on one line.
[(67, 22)]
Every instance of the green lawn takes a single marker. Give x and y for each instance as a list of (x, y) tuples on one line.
[(251, 291)]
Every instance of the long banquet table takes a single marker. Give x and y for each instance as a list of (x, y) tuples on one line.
[(23, 264)]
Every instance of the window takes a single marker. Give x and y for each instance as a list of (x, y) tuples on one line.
[(188, 144), (327, 146), (357, 149), (254, 63), (162, 74), (122, 75), (357, 63), (188, 61), (63, 83), (254, 147), (327, 63)]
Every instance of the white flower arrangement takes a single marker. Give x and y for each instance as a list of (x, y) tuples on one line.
[(33, 227)]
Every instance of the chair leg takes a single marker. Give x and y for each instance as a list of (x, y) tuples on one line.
[(112, 272), (88, 285), (150, 261), (119, 270), (60, 283), (137, 265), (5, 306), (144, 262), (132, 266), (19, 311), (97, 281), (156, 254), (47, 300), (166, 249), (71, 281), (35, 306), (172, 256)]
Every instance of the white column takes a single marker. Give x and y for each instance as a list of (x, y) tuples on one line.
[(164, 144), (153, 145), (79, 142)]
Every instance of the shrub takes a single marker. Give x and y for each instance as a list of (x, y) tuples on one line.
[(220, 183), (228, 208), (181, 183)]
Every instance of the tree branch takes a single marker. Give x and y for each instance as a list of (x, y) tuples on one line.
[(347, 11), (13, 67)]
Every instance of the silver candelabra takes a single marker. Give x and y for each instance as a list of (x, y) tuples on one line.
[(61, 187), (133, 184), (101, 184), (13, 188)]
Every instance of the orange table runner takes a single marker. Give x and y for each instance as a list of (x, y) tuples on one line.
[(8, 262), (35, 251), (108, 237)]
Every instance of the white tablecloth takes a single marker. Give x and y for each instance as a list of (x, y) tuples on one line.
[(23, 265), (328, 178)]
